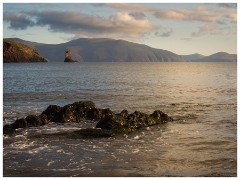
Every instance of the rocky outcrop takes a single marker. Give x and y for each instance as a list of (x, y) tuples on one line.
[(109, 123), (68, 57), (17, 52), (69, 60)]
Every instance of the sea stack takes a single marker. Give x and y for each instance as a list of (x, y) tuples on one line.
[(68, 57)]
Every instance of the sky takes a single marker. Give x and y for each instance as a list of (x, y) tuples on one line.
[(183, 28)]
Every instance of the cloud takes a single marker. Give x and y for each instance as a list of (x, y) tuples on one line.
[(121, 24), (207, 28), (200, 13), (129, 7), (227, 5), (164, 34), (18, 21)]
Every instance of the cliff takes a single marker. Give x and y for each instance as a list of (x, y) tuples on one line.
[(18, 52)]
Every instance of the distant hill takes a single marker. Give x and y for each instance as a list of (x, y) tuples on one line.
[(18, 52), (103, 50), (193, 57), (218, 57), (110, 50)]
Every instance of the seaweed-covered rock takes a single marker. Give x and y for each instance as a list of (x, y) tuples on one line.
[(29, 121), (8, 129), (74, 112), (114, 122), (124, 113), (34, 121), (128, 123), (20, 123), (160, 117), (108, 124), (51, 111)]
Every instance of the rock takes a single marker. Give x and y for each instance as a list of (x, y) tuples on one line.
[(69, 60), (20, 123), (128, 123), (74, 112), (160, 117), (105, 113), (8, 129), (114, 122), (51, 111), (94, 114), (108, 124), (68, 57), (34, 121), (29, 121), (124, 113)]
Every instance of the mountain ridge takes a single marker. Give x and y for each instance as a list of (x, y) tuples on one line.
[(102, 50), (111, 50)]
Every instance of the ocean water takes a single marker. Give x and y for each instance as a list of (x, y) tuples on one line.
[(200, 97)]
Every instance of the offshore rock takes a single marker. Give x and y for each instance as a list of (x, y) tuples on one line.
[(109, 123)]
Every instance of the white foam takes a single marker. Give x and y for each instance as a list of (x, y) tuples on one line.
[(50, 162), (136, 137), (135, 151)]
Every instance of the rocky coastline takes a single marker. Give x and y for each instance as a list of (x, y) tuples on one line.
[(108, 123), (16, 52)]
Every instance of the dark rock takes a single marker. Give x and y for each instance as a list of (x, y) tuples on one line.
[(74, 112), (138, 120), (114, 122), (29, 121), (105, 113), (108, 122), (160, 117), (128, 123), (8, 129), (69, 60), (124, 113), (34, 121), (94, 114), (51, 111), (20, 123)]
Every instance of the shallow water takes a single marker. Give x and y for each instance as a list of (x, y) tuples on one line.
[(201, 97)]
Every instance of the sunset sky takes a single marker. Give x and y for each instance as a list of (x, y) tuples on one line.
[(183, 28)]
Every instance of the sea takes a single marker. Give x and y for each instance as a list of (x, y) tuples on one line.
[(200, 97)]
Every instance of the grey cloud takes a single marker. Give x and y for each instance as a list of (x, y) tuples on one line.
[(228, 5), (18, 21), (164, 34), (200, 13), (205, 29), (138, 15), (118, 25)]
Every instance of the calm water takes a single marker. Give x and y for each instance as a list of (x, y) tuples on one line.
[(201, 97)]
